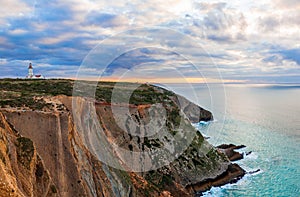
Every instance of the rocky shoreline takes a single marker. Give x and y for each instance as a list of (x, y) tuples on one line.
[(53, 142), (233, 173), (229, 151)]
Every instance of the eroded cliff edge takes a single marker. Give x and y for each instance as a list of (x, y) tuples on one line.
[(40, 140)]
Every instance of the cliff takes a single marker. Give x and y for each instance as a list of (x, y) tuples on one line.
[(45, 152)]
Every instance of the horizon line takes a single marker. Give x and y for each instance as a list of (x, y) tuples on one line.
[(242, 82)]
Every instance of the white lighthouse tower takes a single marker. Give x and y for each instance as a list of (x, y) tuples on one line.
[(31, 75), (30, 71)]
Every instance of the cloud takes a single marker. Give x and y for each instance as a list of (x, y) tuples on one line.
[(243, 39), (287, 4), (14, 9), (291, 54), (105, 20), (141, 58), (216, 21), (269, 24), (52, 11)]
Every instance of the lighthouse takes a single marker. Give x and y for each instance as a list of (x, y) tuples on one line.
[(30, 71), (31, 75)]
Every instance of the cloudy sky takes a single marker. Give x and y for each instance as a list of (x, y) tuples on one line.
[(239, 41)]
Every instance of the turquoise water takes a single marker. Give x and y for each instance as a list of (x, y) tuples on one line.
[(265, 118)]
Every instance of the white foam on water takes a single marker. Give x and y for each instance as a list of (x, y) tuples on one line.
[(219, 191), (252, 155), (214, 191)]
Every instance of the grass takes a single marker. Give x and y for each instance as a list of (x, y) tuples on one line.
[(24, 102), (20, 92)]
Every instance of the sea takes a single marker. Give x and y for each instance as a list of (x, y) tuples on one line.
[(263, 117)]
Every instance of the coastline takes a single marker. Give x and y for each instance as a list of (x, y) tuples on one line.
[(217, 169), (232, 175)]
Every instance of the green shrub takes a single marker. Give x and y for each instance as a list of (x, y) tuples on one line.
[(25, 151), (53, 189)]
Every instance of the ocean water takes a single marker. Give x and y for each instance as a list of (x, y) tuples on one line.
[(265, 118)]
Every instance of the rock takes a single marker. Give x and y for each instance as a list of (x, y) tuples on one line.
[(193, 112), (165, 194), (233, 155), (253, 172), (228, 150), (231, 175), (231, 146)]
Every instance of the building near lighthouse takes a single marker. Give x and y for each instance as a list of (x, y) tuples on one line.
[(31, 75)]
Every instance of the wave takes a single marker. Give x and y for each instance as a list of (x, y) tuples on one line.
[(252, 155), (220, 191), (203, 124), (250, 172)]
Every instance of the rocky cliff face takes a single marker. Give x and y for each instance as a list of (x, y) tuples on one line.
[(45, 153), (23, 172)]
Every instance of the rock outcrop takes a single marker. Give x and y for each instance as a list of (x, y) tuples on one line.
[(45, 152), (233, 173), (229, 151)]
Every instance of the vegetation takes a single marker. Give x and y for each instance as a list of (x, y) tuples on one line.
[(2, 158), (24, 102), (53, 189), (174, 118), (37, 87), (146, 94), (150, 143), (159, 179), (25, 151), (212, 154), (22, 92)]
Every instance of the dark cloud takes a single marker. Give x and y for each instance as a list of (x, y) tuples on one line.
[(25, 41), (26, 47), (217, 20), (140, 56), (220, 38), (105, 20), (214, 16), (269, 24), (273, 58)]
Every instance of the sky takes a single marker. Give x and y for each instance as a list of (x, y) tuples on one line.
[(238, 41)]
